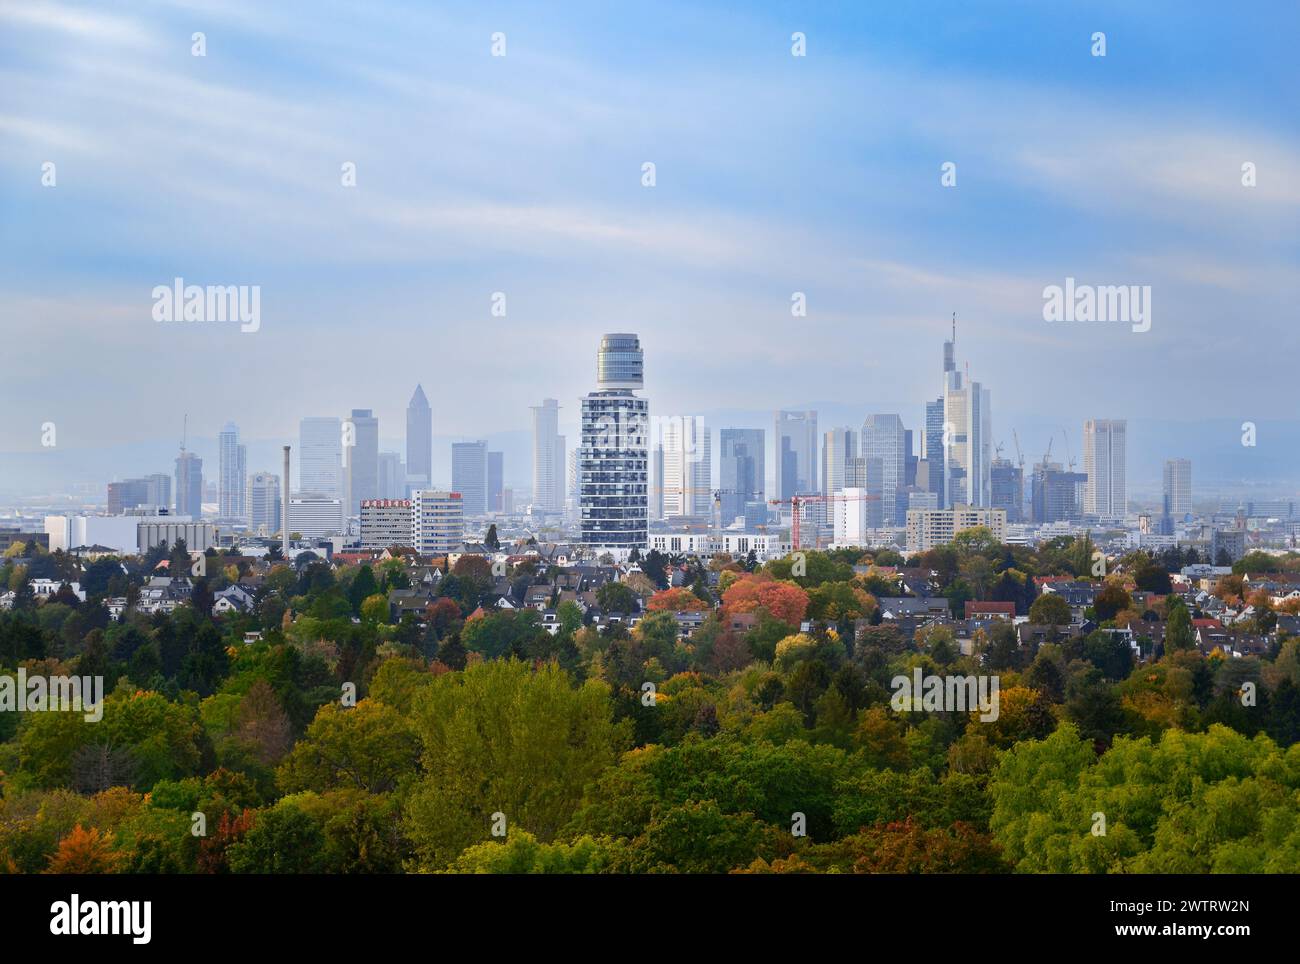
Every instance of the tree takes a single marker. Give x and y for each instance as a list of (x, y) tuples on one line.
[(362, 588), (782, 601), (616, 597), (675, 600), (1050, 609), (491, 540), (1111, 600), (1178, 627), (283, 840), (85, 852), (369, 747), (501, 738)]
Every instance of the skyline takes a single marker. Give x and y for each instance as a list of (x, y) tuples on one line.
[(775, 175)]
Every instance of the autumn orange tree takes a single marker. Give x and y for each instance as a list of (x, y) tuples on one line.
[(781, 600), (85, 851), (677, 599)]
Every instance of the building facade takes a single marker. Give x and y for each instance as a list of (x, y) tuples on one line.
[(615, 450)]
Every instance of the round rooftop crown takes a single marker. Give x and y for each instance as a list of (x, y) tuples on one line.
[(619, 362)]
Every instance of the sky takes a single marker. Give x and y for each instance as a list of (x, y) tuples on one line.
[(522, 174)]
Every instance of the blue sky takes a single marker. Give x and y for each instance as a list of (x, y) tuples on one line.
[(522, 174)]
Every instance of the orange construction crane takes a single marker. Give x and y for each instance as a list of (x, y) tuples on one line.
[(795, 502)]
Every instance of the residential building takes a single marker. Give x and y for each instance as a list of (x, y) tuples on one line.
[(615, 449), (437, 522), (927, 528)]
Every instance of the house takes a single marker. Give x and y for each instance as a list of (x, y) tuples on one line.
[(999, 610), (162, 594), (689, 620), (403, 601), (893, 608), (46, 588), (232, 599)]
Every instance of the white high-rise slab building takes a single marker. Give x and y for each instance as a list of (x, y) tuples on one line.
[(548, 457), (264, 502), (1105, 450), (687, 466), (1178, 487), (320, 457), (231, 474)]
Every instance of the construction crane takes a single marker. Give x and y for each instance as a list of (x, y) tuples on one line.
[(796, 502), (1019, 454), (1068, 457), (1047, 456), (185, 427)]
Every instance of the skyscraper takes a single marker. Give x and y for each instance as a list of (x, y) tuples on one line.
[(392, 476), (687, 466), (795, 442), (231, 474), (419, 439), (320, 454), (548, 457), (839, 446), (1105, 445), (1178, 487), (362, 459), (741, 475), (264, 502), (884, 438), (189, 485), (469, 476), (496, 483), (932, 450), (615, 453), (969, 428)]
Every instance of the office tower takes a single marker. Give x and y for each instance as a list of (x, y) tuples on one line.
[(932, 450), (189, 485), (968, 418), (1178, 487), (1057, 495), (687, 466), (795, 445), (320, 457), (264, 502), (386, 523), (469, 476), (129, 494), (1104, 454), (741, 473), (1008, 489), (392, 476), (548, 473), (419, 439), (655, 504), (838, 446), (615, 449), (284, 504), (909, 472), (437, 522), (496, 483), (231, 474), (884, 438), (314, 517), (572, 477), (362, 459)]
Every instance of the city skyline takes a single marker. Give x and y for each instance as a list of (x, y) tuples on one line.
[(426, 243)]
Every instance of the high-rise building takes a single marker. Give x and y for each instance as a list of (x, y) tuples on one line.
[(852, 517), (928, 528), (932, 450), (496, 482), (1178, 487), (314, 517), (392, 476), (362, 459), (320, 457), (419, 439), (264, 502), (128, 494), (795, 444), (741, 475), (386, 523), (838, 446), (231, 474), (1008, 488), (615, 449), (189, 485), (968, 428), (1057, 495), (469, 476), (884, 438), (437, 522), (687, 466), (548, 457), (1105, 445)]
